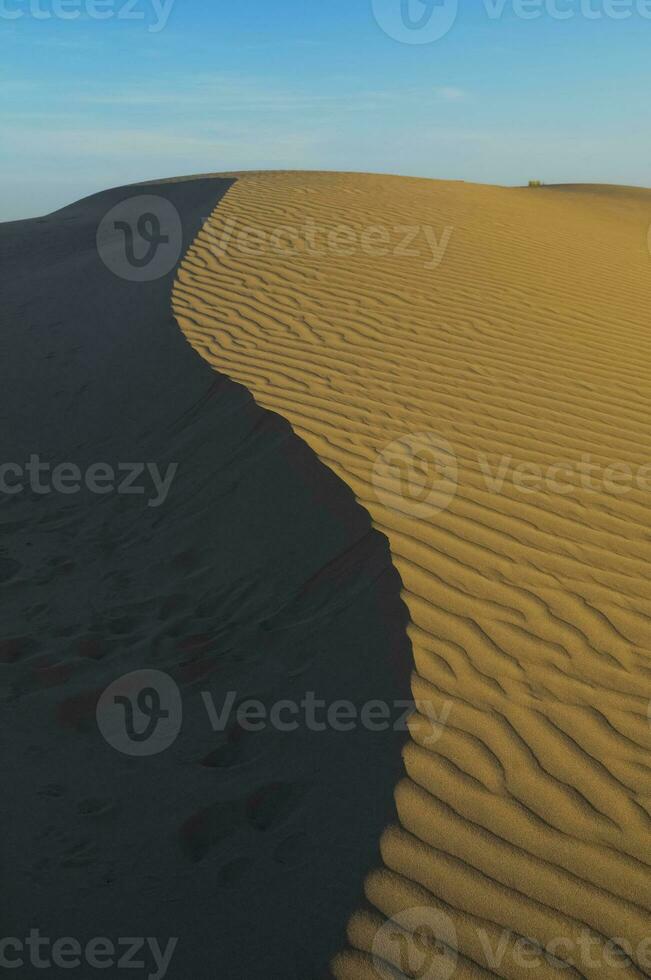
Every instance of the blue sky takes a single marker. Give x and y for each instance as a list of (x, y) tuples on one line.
[(166, 87)]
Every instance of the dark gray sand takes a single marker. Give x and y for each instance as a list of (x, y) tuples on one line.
[(258, 574)]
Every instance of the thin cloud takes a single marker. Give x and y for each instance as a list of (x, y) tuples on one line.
[(229, 94), (451, 94)]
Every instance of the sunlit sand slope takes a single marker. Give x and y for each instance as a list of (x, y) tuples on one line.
[(508, 345)]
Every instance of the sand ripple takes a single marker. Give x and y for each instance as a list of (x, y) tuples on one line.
[(525, 806)]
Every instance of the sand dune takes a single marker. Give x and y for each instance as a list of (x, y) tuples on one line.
[(517, 329)]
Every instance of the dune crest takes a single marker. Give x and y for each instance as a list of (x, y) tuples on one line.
[(457, 380)]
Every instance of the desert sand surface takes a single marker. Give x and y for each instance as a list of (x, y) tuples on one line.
[(524, 809), (258, 576)]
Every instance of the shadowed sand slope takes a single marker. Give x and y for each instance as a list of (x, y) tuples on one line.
[(503, 355), (258, 577)]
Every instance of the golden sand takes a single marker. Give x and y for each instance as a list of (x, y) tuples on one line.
[(508, 345)]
